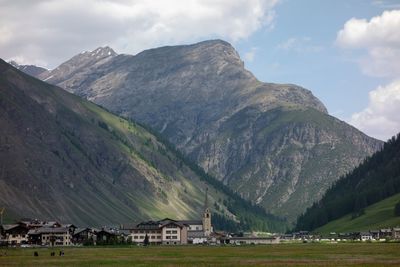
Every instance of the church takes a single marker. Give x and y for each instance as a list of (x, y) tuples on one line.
[(173, 232)]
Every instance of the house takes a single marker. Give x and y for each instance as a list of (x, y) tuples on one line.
[(303, 235), (50, 236), (365, 236), (396, 233), (166, 231), (287, 237), (173, 232), (83, 236), (385, 233), (105, 236), (15, 234), (375, 234)]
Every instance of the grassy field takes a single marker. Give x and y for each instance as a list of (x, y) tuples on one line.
[(341, 254), (377, 216)]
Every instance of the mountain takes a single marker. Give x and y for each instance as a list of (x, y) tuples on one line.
[(275, 144), (377, 178), (31, 70), (65, 158)]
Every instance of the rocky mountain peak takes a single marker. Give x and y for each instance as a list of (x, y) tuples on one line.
[(84, 61), (102, 52)]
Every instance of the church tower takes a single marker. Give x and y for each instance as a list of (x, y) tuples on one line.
[(207, 228)]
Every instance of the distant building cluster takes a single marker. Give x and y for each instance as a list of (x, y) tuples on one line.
[(167, 231), (44, 233), (371, 235)]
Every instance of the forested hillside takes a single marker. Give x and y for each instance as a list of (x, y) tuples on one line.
[(377, 178)]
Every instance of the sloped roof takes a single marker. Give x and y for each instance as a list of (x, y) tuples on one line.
[(49, 230), (80, 230), (195, 234), (8, 227), (192, 222)]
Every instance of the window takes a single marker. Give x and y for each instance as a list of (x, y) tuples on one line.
[(168, 237), (141, 237), (168, 231), (174, 237), (135, 237), (197, 228), (174, 232)]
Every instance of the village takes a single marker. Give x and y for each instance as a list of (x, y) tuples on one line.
[(35, 233)]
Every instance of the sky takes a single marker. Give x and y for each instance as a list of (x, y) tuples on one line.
[(347, 52)]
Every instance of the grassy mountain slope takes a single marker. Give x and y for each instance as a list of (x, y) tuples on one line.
[(65, 158), (377, 178), (261, 139), (377, 216)]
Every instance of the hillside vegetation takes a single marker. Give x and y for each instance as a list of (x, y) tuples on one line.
[(377, 178), (377, 216)]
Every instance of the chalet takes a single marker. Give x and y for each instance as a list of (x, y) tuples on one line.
[(83, 236), (15, 234), (105, 236), (51, 236)]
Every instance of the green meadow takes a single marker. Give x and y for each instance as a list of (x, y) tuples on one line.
[(377, 216), (311, 254)]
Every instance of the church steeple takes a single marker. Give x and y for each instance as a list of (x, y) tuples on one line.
[(207, 228)]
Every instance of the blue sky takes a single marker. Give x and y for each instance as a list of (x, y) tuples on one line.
[(346, 52), (301, 49)]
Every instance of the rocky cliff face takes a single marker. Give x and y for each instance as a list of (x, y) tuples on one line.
[(275, 144)]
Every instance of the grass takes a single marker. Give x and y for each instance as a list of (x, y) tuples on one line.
[(378, 215), (313, 254)]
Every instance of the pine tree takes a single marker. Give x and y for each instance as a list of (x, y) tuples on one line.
[(146, 240)]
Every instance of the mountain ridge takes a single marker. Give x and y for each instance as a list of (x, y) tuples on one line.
[(261, 139)]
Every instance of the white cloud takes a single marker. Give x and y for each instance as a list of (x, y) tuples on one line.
[(53, 30), (381, 118), (380, 38)]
